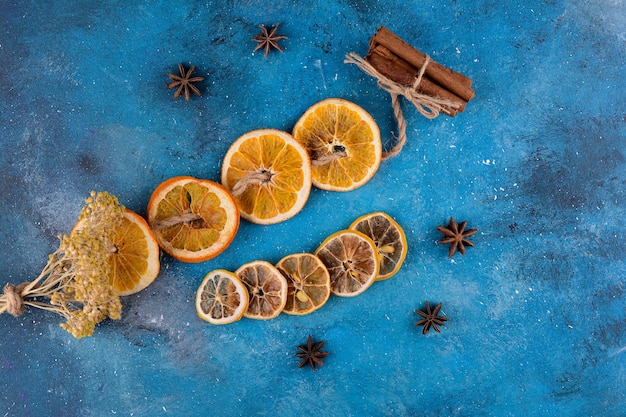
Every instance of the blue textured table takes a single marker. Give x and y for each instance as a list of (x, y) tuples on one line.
[(536, 163)]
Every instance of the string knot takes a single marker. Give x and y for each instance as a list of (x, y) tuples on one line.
[(428, 106), (14, 298)]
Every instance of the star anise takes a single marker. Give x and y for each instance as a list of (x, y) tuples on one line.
[(184, 82), (268, 39), (431, 318), (456, 235), (311, 354)]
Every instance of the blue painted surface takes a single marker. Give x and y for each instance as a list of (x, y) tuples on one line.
[(536, 163)]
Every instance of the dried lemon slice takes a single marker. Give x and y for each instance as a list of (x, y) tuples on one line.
[(267, 289), (389, 239), (352, 262), (221, 298), (308, 283)]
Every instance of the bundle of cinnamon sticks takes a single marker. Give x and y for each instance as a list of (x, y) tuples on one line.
[(400, 62)]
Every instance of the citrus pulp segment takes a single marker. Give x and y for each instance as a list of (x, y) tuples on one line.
[(269, 174), (308, 283), (221, 298), (193, 219), (343, 141), (389, 239), (267, 289), (352, 262)]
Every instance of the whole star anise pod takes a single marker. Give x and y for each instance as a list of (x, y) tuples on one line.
[(431, 318), (268, 39), (184, 82), (456, 235), (311, 354)]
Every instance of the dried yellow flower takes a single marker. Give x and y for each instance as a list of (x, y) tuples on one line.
[(76, 277)]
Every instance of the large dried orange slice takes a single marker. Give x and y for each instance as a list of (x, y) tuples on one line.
[(267, 289), (343, 141), (308, 283), (193, 219), (134, 256), (352, 262), (221, 298), (269, 174), (389, 239)]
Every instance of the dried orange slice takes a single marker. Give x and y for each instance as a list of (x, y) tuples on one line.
[(389, 239), (134, 256), (269, 174), (267, 289), (221, 298), (308, 283), (193, 219), (352, 262), (343, 141)]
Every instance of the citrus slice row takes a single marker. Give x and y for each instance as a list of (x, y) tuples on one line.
[(352, 262), (267, 289), (389, 239), (269, 174), (308, 283), (221, 298), (193, 219), (343, 141)]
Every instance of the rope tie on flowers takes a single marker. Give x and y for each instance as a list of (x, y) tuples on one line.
[(428, 106), (14, 298)]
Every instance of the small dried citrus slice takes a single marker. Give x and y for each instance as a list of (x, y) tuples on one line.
[(267, 289), (193, 219), (389, 239), (269, 174), (308, 283), (352, 262), (134, 257), (221, 298), (343, 141)]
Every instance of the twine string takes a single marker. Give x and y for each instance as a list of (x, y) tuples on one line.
[(323, 160), (428, 106), (176, 220), (257, 177)]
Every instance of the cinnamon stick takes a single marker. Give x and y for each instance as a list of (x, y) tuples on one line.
[(400, 71), (450, 80)]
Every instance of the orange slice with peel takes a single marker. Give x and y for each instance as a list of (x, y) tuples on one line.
[(267, 289), (308, 283), (389, 239), (193, 219), (344, 144), (269, 174), (352, 262), (221, 297), (134, 257)]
